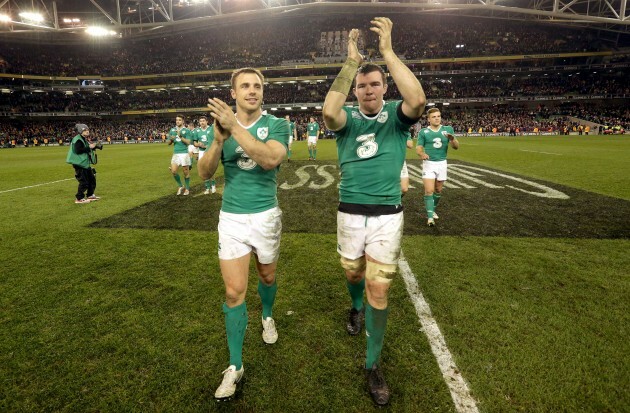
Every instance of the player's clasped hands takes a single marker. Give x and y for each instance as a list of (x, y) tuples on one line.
[(224, 117)]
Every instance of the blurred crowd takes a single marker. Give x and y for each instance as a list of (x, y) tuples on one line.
[(609, 84), (272, 42), (503, 119)]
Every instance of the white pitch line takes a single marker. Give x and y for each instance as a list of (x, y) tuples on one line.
[(33, 186), (546, 153), (464, 402)]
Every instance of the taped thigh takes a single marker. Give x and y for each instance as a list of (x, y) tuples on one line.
[(383, 273), (356, 265)]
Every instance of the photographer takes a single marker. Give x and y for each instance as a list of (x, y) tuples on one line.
[(81, 155)]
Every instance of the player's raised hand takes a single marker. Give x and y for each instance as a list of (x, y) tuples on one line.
[(383, 27), (222, 113), (353, 46), (220, 134), (450, 136)]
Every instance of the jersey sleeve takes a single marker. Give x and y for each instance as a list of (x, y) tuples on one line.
[(421, 138), (343, 130), (279, 131)]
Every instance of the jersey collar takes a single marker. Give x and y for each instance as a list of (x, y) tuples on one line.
[(373, 117), (252, 124)]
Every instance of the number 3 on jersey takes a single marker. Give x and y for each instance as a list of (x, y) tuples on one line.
[(369, 147), (244, 162), (437, 143)]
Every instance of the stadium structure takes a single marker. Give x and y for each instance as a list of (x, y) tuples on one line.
[(551, 64)]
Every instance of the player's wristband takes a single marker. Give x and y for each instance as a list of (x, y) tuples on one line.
[(344, 79)]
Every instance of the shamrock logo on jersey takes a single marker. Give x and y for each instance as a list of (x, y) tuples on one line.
[(382, 118), (262, 133)]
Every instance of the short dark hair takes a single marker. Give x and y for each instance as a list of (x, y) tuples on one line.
[(179, 115), (203, 117), (242, 70), (432, 110), (369, 68)]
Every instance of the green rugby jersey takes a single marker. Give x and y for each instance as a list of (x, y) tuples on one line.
[(176, 135), (291, 128), (313, 129), (371, 153), (435, 144), (248, 187), (203, 137)]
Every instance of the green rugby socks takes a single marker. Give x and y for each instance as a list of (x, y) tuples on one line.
[(356, 293), (429, 205), (375, 323), (235, 326), (436, 199), (267, 295)]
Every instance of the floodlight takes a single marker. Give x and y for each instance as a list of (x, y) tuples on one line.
[(99, 31), (32, 16), (4, 18)]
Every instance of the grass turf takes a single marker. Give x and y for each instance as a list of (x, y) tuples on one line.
[(124, 319)]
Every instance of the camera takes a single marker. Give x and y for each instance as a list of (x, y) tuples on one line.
[(98, 145)]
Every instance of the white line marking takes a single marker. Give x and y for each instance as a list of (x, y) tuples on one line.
[(464, 402), (546, 153), (33, 186)]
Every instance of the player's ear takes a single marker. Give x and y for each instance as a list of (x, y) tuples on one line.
[(233, 93)]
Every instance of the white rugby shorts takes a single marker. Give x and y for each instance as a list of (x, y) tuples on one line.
[(181, 159), (434, 170), (193, 149), (240, 234), (312, 140), (378, 236)]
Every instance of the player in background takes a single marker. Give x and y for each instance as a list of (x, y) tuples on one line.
[(404, 173), (292, 135), (313, 134), (432, 147), (193, 151), (180, 137), (201, 140)]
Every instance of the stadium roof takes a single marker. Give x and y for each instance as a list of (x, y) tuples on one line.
[(140, 18)]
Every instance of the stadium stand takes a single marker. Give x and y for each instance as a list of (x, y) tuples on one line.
[(496, 76)]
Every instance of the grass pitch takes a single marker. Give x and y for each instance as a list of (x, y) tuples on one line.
[(115, 305)]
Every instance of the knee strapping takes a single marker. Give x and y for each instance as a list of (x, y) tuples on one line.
[(383, 273), (356, 265)]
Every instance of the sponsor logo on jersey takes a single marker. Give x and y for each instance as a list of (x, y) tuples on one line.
[(356, 115), (262, 133)]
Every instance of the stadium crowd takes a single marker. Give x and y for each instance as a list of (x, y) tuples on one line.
[(270, 43), (504, 119), (435, 88)]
